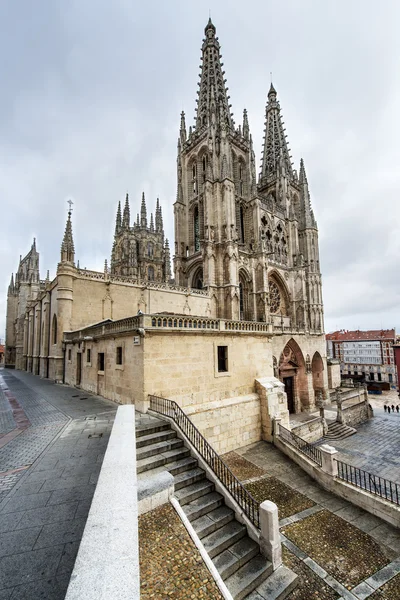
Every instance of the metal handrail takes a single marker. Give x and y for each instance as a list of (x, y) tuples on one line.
[(297, 442), (171, 409), (379, 486)]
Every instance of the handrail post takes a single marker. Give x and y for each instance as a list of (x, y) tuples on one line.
[(329, 464), (270, 539)]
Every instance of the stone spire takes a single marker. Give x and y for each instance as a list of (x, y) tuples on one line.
[(167, 261), (246, 131), (143, 212), (67, 246), (213, 99), (151, 223), (307, 213), (182, 131), (276, 154), (159, 219), (126, 219), (11, 287), (118, 221)]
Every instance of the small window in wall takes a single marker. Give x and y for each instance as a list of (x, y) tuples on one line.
[(222, 359), (150, 273), (88, 355), (119, 355), (390, 378), (379, 377), (100, 364), (372, 376), (69, 354)]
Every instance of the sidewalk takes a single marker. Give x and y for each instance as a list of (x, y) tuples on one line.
[(48, 473)]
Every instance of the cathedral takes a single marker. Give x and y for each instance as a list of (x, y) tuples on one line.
[(240, 323)]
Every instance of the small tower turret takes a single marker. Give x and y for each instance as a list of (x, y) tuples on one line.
[(67, 246)]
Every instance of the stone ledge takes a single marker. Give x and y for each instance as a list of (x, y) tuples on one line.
[(107, 565)]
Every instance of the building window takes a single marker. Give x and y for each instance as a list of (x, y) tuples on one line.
[(222, 359), (69, 354), (88, 355), (372, 376), (119, 355), (196, 228), (150, 273), (54, 329), (150, 249), (100, 360), (379, 377), (390, 378)]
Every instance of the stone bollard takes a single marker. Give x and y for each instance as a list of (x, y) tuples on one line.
[(270, 539), (329, 465)]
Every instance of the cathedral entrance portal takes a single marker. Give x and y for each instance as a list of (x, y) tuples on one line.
[(292, 372), (288, 382)]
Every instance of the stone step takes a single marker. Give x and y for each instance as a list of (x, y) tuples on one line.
[(230, 560), (219, 540), (181, 465), (338, 431), (213, 520), (159, 447), (154, 438), (194, 491), (186, 478), (152, 427), (277, 586), (170, 457), (202, 505), (248, 577)]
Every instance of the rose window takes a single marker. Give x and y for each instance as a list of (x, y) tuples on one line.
[(274, 297)]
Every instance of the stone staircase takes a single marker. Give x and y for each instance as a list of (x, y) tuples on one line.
[(235, 555), (338, 431)]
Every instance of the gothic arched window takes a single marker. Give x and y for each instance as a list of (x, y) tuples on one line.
[(150, 273), (196, 229), (54, 330), (241, 225), (197, 282), (150, 249), (204, 167)]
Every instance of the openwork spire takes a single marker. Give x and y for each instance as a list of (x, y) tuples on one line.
[(182, 130), (126, 219), (118, 220), (67, 246), (276, 154), (159, 219), (213, 99), (143, 212), (306, 209)]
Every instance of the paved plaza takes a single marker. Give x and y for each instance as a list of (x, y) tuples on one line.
[(52, 442)]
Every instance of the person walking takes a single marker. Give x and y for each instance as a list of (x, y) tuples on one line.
[(392, 407), (397, 408), (385, 407), (389, 410)]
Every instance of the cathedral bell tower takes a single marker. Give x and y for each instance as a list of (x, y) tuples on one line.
[(214, 176)]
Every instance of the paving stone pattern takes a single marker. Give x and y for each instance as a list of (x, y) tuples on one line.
[(43, 516), (7, 422)]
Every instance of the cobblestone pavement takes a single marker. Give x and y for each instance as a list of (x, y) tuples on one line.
[(48, 476)]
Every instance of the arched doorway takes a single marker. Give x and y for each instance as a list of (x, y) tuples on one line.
[(197, 279), (292, 373), (317, 367)]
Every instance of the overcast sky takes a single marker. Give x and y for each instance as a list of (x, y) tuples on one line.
[(92, 90)]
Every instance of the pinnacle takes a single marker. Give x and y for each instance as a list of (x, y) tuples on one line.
[(210, 25), (272, 90)]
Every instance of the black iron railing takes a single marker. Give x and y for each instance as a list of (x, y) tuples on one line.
[(297, 442), (384, 488), (169, 408)]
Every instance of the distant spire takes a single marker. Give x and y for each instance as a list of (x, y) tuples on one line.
[(11, 287), (302, 174), (182, 131), (137, 220), (48, 274), (213, 96), (276, 154), (67, 246), (151, 223), (245, 125), (118, 221), (306, 212), (143, 212), (126, 219), (34, 244), (159, 219)]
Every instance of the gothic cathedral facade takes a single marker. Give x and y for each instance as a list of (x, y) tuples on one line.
[(252, 244)]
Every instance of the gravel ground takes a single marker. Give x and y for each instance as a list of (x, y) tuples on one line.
[(289, 501), (389, 591), (345, 552), (309, 585), (170, 564), (243, 469)]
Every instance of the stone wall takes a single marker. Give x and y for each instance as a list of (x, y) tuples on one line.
[(355, 414), (334, 377), (310, 431)]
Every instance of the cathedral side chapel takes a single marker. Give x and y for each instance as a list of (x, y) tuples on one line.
[(237, 336)]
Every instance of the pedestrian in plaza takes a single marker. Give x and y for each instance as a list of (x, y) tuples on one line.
[(397, 408), (392, 407), (389, 410), (385, 407)]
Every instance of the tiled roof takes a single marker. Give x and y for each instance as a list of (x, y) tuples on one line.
[(373, 334), (1, 348)]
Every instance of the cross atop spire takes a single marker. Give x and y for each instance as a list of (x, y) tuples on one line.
[(213, 99), (276, 154)]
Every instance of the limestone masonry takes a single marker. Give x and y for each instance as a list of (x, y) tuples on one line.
[(237, 336)]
